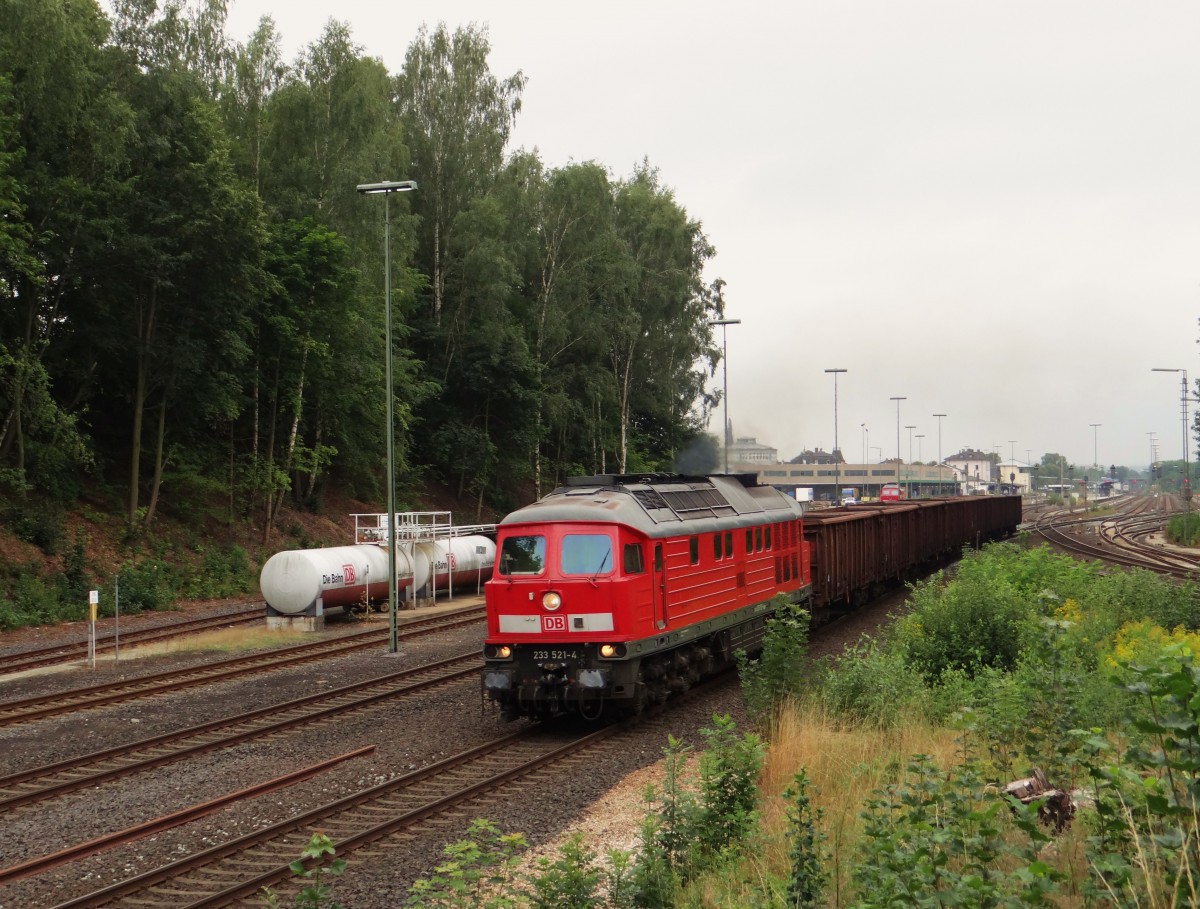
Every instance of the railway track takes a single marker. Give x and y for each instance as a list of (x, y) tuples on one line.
[(76, 650), (234, 873), (25, 788), (86, 698), (1119, 539)]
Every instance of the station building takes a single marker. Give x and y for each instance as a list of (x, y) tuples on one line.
[(828, 477)]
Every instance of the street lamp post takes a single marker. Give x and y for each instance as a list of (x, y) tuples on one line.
[(725, 323), (386, 188), (837, 467), (898, 400), (866, 436), (921, 458), (939, 419), (1187, 479), (1096, 444), (908, 469), (1012, 460)]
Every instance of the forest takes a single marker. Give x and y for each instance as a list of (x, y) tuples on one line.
[(193, 318)]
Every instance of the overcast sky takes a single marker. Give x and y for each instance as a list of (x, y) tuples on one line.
[(991, 209)]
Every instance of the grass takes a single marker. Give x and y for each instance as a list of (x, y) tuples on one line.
[(222, 640), (845, 764)]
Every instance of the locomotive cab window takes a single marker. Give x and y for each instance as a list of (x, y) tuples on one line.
[(633, 558), (523, 555), (586, 553)]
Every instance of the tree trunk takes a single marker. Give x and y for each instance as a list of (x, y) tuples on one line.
[(159, 461), (269, 463), (292, 433), (145, 339)]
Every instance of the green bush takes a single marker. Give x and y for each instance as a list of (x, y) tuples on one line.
[(223, 572), (33, 600), (808, 877), (873, 684), (939, 838), (1184, 529), (782, 668), (145, 586), (39, 523), (1145, 847)]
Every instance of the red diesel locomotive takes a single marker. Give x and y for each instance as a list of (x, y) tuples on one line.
[(614, 591)]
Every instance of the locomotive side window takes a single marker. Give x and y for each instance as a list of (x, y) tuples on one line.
[(749, 540), (658, 560), (768, 536), (633, 559), (523, 555), (758, 539), (694, 550), (586, 553), (728, 543), (717, 546)]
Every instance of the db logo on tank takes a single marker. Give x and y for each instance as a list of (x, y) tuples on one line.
[(347, 574)]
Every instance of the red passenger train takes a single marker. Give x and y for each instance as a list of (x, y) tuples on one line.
[(614, 591)]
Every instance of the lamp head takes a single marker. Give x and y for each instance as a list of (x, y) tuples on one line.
[(387, 186)]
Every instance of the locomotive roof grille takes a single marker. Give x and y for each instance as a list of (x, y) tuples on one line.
[(649, 498), (697, 503)]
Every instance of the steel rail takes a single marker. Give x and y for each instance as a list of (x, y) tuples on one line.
[(166, 822), (74, 650), (264, 857), (87, 771), (28, 709)]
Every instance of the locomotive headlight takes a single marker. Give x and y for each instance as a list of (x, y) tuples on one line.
[(551, 601), (503, 652), (608, 650), (497, 652)]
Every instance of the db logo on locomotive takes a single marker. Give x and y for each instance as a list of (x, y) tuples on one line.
[(554, 623)]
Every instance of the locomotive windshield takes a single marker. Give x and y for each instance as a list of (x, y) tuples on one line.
[(523, 555), (586, 553)]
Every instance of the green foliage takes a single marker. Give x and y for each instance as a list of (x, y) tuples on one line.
[(693, 829), (968, 625), (570, 881), (40, 523), (477, 872), (938, 838), (145, 586), (223, 571), (729, 769), (781, 670), (33, 600), (311, 867), (1146, 848), (75, 583), (808, 877), (870, 684)]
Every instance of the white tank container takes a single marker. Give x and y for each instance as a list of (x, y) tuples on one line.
[(292, 581), (464, 562)]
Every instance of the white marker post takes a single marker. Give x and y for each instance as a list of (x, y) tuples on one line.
[(93, 607)]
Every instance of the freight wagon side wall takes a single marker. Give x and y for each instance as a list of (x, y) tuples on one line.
[(859, 548)]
